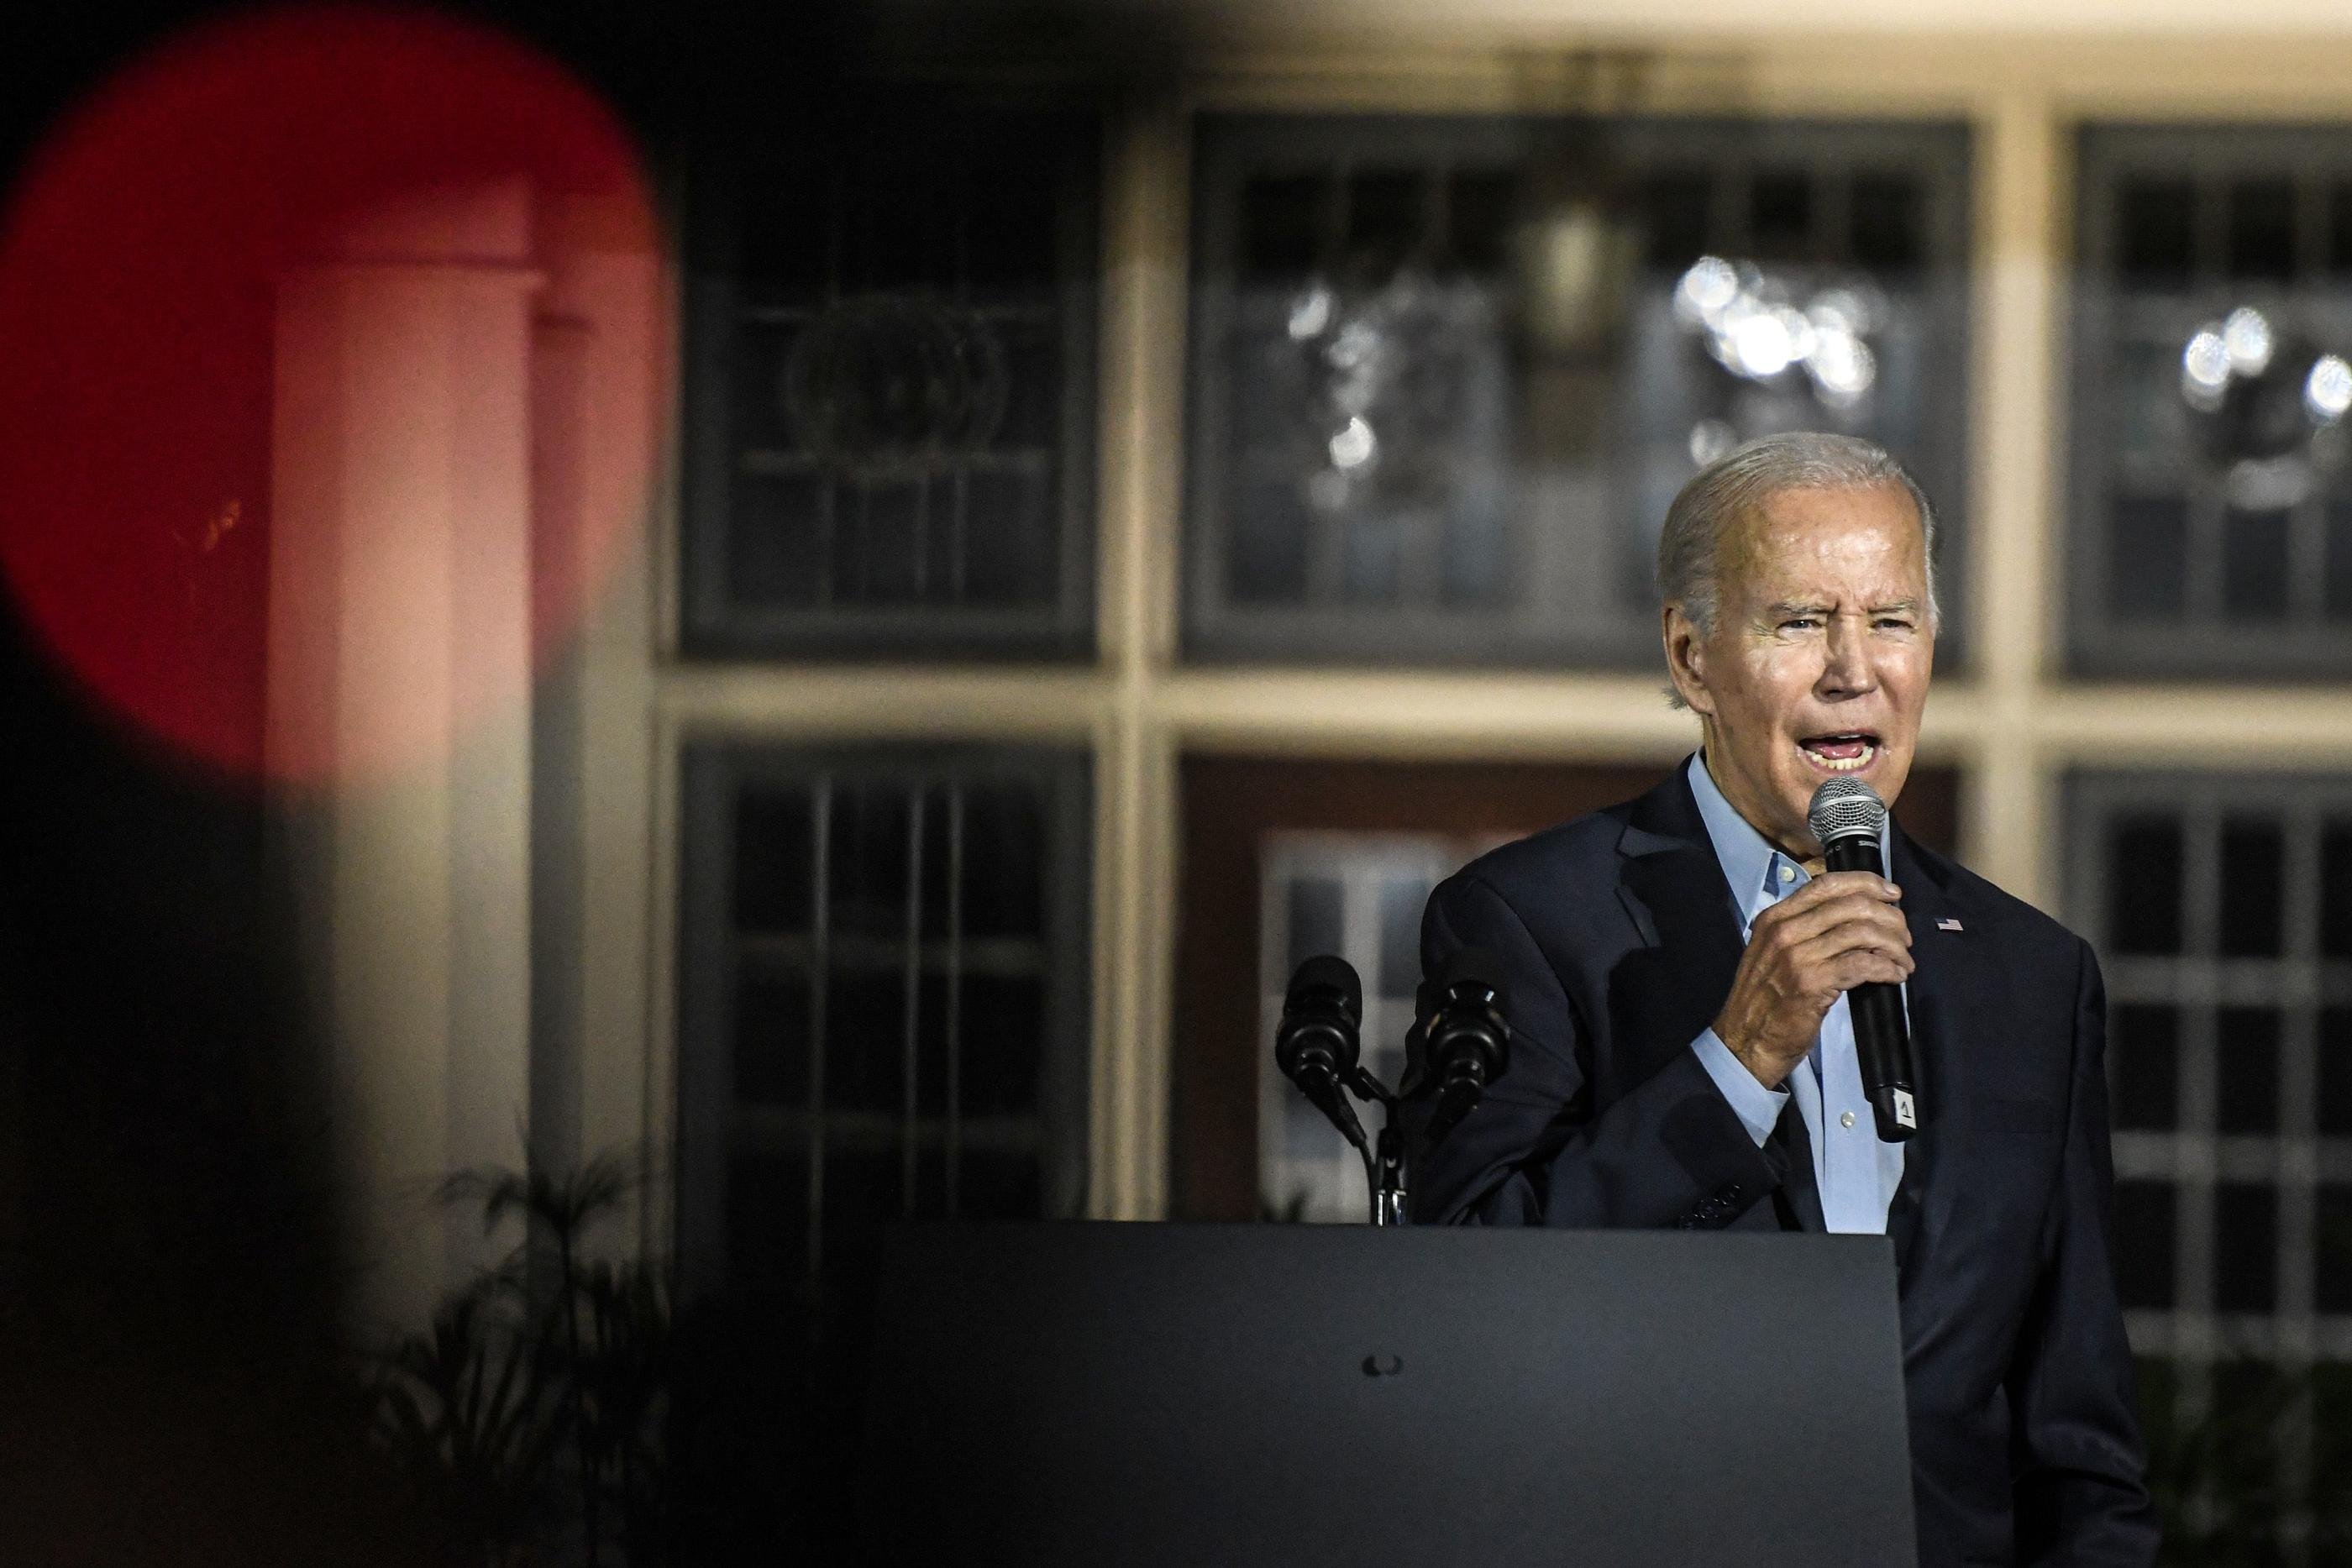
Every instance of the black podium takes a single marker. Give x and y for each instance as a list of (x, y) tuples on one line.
[(1087, 1393)]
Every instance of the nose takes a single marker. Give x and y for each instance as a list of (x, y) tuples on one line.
[(1846, 669)]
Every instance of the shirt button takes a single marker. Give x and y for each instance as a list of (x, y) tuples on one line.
[(1788, 873), (1846, 1120)]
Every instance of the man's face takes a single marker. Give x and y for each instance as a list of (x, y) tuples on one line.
[(1818, 665)]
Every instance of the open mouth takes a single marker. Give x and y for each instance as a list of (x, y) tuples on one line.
[(1845, 751)]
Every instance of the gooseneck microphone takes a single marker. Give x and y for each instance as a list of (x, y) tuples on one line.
[(1316, 1043), (1847, 817), (1465, 1044)]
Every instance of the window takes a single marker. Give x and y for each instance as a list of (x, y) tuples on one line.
[(1447, 372), (2212, 527), (889, 434), (882, 1011), (2219, 907)]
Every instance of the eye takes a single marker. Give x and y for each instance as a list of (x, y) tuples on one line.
[(1801, 622), (1900, 623)]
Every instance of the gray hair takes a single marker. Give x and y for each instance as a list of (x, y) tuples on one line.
[(1740, 481)]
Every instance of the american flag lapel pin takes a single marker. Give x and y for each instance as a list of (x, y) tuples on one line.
[(1948, 924)]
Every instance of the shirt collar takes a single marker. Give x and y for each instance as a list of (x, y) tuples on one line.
[(1749, 863)]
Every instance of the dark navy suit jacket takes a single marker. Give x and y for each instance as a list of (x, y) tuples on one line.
[(1618, 940)]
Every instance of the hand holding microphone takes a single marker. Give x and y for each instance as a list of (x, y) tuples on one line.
[(1843, 932)]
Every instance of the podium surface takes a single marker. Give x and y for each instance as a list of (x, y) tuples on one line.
[(1307, 1395)]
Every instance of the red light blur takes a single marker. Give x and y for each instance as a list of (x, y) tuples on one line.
[(139, 263)]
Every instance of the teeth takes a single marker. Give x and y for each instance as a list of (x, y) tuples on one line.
[(1844, 765)]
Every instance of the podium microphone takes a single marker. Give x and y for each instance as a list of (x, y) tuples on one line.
[(1317, 1044), (1847, 817), (1465, 1044)]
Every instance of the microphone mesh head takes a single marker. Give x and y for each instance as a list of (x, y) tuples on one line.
[(1845, 808), (1327, 971)]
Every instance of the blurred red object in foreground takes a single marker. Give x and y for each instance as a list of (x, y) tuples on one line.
[(147, 258)]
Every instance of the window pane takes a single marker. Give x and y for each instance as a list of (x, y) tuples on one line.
[(866, 1038), (1315, 918), (1003, 888), (2207, 501), (1401, 901), (2143, 1243), (866, 863), (2145, 1049), (890, 390), (2254, 565), (2154, 230), (2144, 863), (2336, 591), (2336, 889), (2335, 1071), (2147, 566), (2246, 1045), (1889, 220), (941, 902), (2252, 916), (1004, 1042), (767, 1223), (2332, 1274), (771, 1035), (2245, 1247), (2262, 230), (1443, 390)]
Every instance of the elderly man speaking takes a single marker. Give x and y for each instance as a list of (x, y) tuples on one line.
[(1677, 970)]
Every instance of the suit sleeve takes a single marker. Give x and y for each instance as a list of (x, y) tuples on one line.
[(2079, 1466), (1671, 1153)]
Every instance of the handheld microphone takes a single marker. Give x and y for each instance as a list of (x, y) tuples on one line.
[(1465, 1044), (1316, 1043), (1846, 817)]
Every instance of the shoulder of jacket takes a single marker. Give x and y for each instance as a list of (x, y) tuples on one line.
[(1996, 908), (1578, 847)]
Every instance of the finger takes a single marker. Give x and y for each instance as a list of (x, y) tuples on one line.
[(1867, 966), (1831, 947), (1831, 885), (1807, 925)]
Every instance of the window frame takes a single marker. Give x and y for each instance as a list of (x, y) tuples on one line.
[(2201, 646), (714, 772), (711, 623)]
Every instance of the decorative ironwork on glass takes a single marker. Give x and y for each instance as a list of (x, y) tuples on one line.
[(888, 436), (2267, 405), (880, 383)]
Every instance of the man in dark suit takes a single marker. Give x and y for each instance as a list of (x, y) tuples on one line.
[(1684, 1054)]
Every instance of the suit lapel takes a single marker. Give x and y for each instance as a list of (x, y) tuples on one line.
[(1664, 995), (1943, 977)]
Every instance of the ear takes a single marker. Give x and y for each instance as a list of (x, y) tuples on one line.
[(1686, 659)]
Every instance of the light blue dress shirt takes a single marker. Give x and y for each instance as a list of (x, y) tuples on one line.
[(1855, 1173)]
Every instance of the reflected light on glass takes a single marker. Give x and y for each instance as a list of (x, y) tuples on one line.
[(1841, 366), (1705, 290), (1710, 439), (1760, 344), (2327, 391), (2246, 337), (1354, 446), (1310, 313), (1752, 332), (2205, 370)]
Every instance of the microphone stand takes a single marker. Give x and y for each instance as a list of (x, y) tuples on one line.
[(1384, 1161)]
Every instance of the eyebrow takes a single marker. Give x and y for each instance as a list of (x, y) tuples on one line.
[(1787, 608)]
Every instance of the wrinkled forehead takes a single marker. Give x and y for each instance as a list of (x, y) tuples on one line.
[(1830, 544)]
